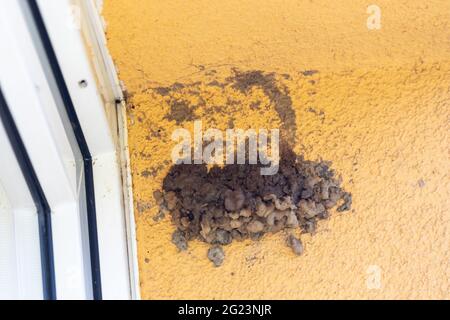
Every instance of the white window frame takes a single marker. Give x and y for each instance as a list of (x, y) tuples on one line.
[(20, 261), (82, 56)]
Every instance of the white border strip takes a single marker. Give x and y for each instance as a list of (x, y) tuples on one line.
[(110, 78), (108, 75), (127, 186)]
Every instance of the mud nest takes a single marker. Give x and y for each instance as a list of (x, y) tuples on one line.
[(235, 202)]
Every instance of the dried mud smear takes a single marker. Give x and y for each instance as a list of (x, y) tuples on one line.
[(243, 82), (277, 93), (235, 202)]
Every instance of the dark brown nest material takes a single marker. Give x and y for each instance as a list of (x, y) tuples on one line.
[(235, 202)]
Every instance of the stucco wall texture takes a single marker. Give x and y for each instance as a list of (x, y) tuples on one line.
[(378, 107)]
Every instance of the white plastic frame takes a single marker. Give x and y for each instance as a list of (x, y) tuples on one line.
[(82, 55), (104, 124), (20, 261)]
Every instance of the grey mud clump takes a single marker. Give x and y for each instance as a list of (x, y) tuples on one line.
[(295, 244), (234, 202), (216, 255)]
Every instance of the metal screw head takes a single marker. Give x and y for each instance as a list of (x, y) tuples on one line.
[(83, 84)]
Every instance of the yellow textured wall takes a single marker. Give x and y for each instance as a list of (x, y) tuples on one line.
[(381, 101)]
